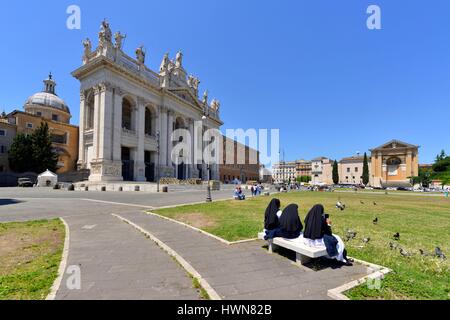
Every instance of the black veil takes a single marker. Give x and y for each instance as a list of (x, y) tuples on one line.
[(271, 219), (290, 221), (314, 223)]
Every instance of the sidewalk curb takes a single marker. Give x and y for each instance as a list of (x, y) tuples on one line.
[(378, 272), (62, 265), (226, 242)]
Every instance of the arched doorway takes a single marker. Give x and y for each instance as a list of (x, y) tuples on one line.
[(150, 122), (127, 115), (89, 112), (393, 167), (150, 174), (180, 166), (127, 165)]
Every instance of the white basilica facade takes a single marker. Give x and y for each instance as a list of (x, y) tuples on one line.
[(129, 112)]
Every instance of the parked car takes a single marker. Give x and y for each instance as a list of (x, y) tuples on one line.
[(25, 183)]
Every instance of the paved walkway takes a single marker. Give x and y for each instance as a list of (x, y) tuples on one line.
[(245, 271), (118, 262)]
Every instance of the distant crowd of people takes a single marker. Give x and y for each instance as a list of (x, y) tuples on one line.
[(256, 190), (239, 194)]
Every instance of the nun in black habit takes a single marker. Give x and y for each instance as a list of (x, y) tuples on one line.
[(290, 224), (315, 224), (271, 218), (318, 229)]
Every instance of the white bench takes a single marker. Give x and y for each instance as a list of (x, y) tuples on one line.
[(303, 252)]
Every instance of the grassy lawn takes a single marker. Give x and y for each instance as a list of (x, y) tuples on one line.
[(30, 254), (423, 223)]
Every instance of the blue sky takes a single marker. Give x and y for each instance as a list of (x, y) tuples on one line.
[(310, 68)]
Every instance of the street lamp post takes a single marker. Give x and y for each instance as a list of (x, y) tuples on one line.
[(158, 146), (208, 188)]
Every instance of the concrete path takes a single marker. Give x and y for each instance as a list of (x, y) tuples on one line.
[(118, 262), (136, 198), (245, 271)]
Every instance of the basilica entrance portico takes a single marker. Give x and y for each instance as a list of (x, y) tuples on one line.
[(123, 107)]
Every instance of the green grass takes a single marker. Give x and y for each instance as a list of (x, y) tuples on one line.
[(202, 292), (423, 223), (30, 254)]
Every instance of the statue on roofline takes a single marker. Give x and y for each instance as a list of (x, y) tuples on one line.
[(215, 105), (193, 82), (119, 37), (140, 54), (105, 34), (165, 63), (205, 98), (87, 44), (179, 59)]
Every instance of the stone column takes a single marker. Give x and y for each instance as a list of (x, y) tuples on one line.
[(117, 131), (409, 167), (190, 165), (139, 164), (103, 167), (96, 122), (415, 164), (163, 139), (170, 117), (81, 147), (106, 122)]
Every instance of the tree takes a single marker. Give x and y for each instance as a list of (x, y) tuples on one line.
[(366, 176), (20, 153), (445, 180), (44, 158), (442, 165), (303, 179), (335, 172), (425, 176), (441, 156), (423, 179), (33, 152)]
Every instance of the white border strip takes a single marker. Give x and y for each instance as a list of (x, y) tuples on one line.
[(190, 204), (120, 204), (378, 273), (190, 227), (228, 243), (62, 265), (188, 267)]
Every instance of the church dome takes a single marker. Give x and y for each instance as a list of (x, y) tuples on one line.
[(48, 97)]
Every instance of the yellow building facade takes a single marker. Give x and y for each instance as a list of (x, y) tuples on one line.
[(394, 163), (47, 107), (63, 135)]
